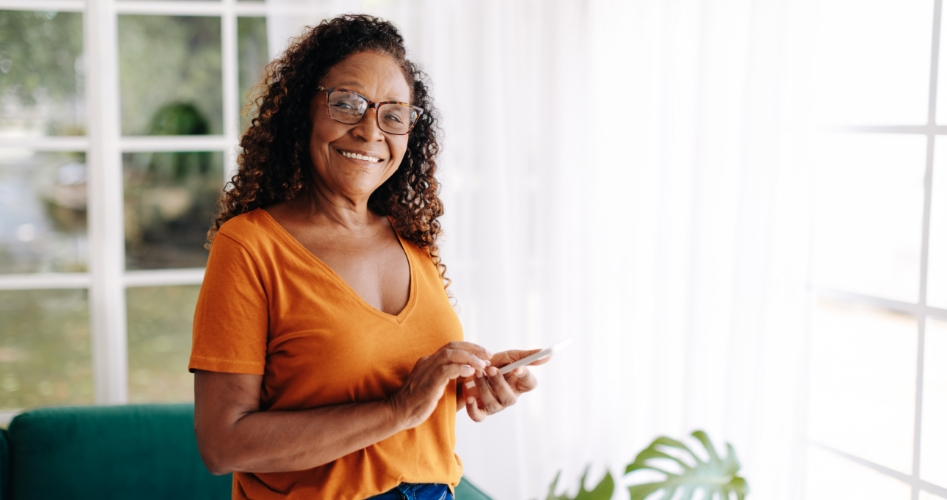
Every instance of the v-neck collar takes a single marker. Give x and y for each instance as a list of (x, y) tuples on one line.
[(280, 232)]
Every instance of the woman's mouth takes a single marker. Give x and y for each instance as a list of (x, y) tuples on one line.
[(359, 156)]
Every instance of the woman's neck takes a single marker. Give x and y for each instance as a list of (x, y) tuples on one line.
[(323, 207)]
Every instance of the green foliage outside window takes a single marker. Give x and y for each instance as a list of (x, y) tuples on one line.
[(41, 73), (165, 60), (35, 45)]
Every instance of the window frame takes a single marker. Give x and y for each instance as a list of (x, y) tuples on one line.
[(920, 309), (107, 278)]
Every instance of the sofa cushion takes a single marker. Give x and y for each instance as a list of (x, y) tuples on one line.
[(110, 452)]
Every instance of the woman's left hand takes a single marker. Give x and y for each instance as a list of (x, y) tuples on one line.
[(494, 392)]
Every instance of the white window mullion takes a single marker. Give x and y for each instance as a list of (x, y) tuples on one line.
[(925, 241), (46, 143), (106, 224), (57, 5), (230, 75), (44, 281), (169, 8), (172, 143), (164, 277)]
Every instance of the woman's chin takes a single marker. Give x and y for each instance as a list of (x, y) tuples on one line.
[(357, 191)]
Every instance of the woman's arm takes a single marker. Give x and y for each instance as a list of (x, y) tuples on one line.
[(234, 435)]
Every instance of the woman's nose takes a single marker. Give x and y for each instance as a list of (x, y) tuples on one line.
[(367, 127)]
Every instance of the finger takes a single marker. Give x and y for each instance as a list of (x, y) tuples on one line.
[(541, 361), (462, 357), (504, 358), (470, 347), (522, 380), (449, 371), (501, 389), (474, 412), (490, 402)]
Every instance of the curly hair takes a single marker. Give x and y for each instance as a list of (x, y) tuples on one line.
[(275, 164)]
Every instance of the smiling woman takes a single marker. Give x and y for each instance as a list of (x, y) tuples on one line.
[(326, 352)]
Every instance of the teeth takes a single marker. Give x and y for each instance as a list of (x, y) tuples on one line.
[(359, 157)]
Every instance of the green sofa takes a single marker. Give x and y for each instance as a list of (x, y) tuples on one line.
[(114, 452)]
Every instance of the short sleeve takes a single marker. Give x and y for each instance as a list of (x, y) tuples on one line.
[(231, 319)]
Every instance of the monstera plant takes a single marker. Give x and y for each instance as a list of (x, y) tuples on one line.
[(715, 476), (602, 491)]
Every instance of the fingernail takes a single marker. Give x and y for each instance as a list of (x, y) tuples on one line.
[(489, 354), (471, 400), (519, 372), (493, 371), (479, 373)]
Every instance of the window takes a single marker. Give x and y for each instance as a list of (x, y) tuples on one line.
[(877, 398), (119, 123)]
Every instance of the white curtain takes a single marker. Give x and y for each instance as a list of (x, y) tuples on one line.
[(631, 174)]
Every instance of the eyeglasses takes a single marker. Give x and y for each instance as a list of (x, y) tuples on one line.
[(349, 107)]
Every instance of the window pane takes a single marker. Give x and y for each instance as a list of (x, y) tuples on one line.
[(170, 75), (45, 354), (159, 343), (867, 79), (170, 202), (937, 253), (252, 58), (42, 212), (862, 380), (869, 202), (934, 414), (831, 477), (41, 84)]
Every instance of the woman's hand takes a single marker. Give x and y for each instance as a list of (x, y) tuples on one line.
[(425, 385), (493, 392)]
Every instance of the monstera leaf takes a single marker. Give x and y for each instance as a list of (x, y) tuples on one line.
[(603, 491), (716, 476)]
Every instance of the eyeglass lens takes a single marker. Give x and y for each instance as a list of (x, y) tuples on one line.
[(348, 107)]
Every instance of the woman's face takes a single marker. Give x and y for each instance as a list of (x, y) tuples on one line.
[(332, 144)]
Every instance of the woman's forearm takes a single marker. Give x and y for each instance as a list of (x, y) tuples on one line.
[(280, 441), (274, 441), (234, 435)]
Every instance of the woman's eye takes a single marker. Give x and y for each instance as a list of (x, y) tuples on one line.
[(343, 105), (394, 118)]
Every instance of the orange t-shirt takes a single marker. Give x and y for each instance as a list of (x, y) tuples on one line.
[(269, 307)]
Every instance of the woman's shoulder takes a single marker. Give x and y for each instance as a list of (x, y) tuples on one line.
[(248, 229)]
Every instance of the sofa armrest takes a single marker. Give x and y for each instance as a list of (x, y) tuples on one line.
[(467, 491), (4, 465)]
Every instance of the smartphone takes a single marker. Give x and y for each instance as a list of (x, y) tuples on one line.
[(529, 359)]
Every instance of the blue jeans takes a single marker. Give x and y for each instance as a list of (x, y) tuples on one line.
[(416, 491)]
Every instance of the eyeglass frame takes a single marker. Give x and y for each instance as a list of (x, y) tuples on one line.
[(371, 105)]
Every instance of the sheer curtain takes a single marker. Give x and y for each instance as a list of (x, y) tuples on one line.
[(631, 175)]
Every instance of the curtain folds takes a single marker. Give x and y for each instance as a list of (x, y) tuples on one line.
[(632, 175)]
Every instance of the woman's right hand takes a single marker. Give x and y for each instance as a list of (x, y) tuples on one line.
[(425, 385)]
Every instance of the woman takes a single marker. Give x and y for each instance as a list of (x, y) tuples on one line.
[(326, 353)]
